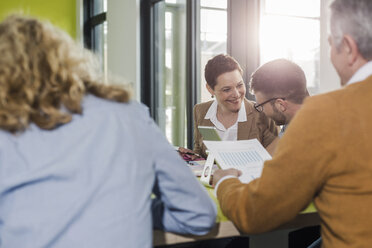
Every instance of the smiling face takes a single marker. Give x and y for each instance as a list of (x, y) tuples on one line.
[(229, 91)]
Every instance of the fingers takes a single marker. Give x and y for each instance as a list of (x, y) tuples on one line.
[(187, 154), (218, 174), (181, 149), (193, 157), (234, 172), (184, 150)]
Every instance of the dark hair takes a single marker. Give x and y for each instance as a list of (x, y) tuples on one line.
[(218, 65), (280, 78)]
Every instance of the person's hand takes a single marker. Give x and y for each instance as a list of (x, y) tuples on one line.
[(218, 174), (187, 154)]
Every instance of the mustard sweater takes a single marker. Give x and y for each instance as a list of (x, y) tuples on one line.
[(325, 156)]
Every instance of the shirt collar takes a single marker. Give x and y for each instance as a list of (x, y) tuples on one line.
[(284, 127), (362, 73), (212, 111), (242, 115)]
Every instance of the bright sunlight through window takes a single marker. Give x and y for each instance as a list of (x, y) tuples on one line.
[(291, 29)]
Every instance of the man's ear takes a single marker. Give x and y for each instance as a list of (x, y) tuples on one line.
[(351, 49), (281, 105)]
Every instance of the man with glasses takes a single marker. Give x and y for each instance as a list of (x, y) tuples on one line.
[(280, 89), (325, 156)]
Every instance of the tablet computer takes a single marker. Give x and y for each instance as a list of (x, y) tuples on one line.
[(209, 133)]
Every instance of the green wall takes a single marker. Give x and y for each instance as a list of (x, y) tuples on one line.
[(61, 13)]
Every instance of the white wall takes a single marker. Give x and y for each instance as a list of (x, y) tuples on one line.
[(79, 21), (329, 79), (123, 41)]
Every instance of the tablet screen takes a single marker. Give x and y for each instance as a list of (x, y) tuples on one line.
[(209, 133)]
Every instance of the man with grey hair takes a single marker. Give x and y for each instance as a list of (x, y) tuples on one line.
[(325, 156)]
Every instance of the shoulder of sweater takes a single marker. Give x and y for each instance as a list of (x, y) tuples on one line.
[(323, 107), (341, 93), (332, 97)]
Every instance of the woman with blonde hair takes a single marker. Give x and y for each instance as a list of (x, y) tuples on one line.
[(72, 166)]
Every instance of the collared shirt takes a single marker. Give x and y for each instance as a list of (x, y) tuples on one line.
[(284, 127), (362, 73), (89, 183), (230, 133)]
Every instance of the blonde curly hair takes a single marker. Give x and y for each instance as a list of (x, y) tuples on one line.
[(44, 75)]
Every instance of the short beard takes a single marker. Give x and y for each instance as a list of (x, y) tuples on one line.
[(278, 117)]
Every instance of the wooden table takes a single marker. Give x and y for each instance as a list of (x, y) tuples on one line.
[(225, 228)]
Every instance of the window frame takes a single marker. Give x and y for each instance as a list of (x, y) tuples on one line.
[(148, 55), (243, 23), (91, 20)]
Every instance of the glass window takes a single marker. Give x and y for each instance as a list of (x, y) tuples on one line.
[(291, 29), (95, 30), (168, 94), (100, 45), (213, 36), (170, 69), (220, 4), (300, 8), (99, 6)]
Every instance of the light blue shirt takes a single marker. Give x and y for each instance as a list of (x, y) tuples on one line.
[(89, 183)]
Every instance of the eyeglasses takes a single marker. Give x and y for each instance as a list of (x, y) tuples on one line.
[(259, 107)]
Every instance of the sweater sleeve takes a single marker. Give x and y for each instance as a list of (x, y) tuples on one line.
[(291, 180), (181, 203)]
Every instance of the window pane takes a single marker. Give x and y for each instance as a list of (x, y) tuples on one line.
[(214, 3), (100, 45), (104, 5), (99, 6), (213, 23), (305, 8), (170, 70), (213, 36), (293, 38), (171, 1)]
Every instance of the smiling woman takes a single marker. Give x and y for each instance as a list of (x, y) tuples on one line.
[(230, 113), (230, 92)]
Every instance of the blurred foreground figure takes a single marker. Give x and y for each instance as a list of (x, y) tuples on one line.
[(81, 165)]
